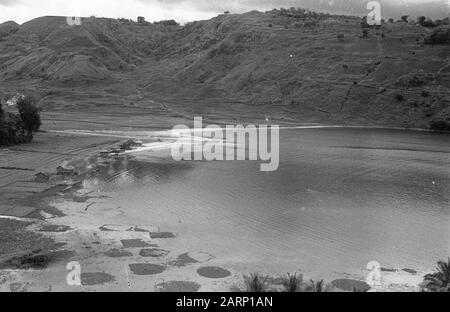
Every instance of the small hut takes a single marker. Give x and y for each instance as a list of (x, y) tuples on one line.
[(61, 171), (41, 177)]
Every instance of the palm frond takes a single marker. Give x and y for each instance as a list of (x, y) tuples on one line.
[(439, 280), (255, 283), (292, 283), (317, 286)]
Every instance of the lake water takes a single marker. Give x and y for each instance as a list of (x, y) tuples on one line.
[(340, 199)]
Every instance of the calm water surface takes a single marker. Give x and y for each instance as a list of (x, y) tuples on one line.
[(340, 199)]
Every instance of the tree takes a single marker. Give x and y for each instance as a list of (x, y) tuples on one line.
[(421, 20), (365, 33), (364, 23), (29, 114), (439, 36), (440, 280)]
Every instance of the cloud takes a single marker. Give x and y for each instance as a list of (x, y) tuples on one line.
[(8, 2)]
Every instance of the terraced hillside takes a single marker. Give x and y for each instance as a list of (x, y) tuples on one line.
[(299, 67)]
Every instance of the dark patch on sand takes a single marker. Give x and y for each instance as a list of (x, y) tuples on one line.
[(351, 285), (36, 260), (57, 246), (96, 278), (77, 199), (162, 235), (146, 268), (388, 270), (410, 271), (52, 228), (14, 238), (136, 243), (118, 253), (42, 201), (178, 286), (22, 249), (154, 252), (138, 229), (18, 287), (183, 260), (15, 168), (213, 272)]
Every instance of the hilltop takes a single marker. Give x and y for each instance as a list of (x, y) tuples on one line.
[(288, 66)]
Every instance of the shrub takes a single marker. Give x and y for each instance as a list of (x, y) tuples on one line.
[(310, 24), (405, 18), (29, 115), (440, 125), (11, 130), (255, 283), (399, 97), (425, 93), (19, 128), (421, 20), (440, 280), (4, 134), (316, 286), (340, 36), (439, 36), (416, 81), (365, 33), (226, 47), (364, 23), (168, 23), (429, 23), (293, 283)]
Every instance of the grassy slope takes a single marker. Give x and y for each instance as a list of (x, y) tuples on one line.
[(233, 67)]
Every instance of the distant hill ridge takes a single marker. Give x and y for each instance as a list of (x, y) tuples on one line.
[(295, 67)]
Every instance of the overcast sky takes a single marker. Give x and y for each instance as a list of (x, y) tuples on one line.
[(190, 10)]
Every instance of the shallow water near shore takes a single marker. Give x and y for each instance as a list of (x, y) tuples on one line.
[(340, 199)]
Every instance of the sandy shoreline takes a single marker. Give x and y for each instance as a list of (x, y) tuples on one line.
[(118, 253)]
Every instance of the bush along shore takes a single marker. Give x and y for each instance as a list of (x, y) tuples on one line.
[(438, 281), (18, 126)]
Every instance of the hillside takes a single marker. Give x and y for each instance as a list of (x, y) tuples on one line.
[(290, 67)]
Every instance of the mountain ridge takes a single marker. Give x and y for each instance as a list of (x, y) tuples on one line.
[(296, 67)]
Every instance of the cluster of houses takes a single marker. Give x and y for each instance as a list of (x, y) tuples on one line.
[(42, 177), (65, 173)]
